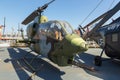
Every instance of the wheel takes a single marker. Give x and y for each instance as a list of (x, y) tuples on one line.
[(98, 61)]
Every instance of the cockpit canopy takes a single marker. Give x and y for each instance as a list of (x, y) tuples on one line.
[(56, 29)]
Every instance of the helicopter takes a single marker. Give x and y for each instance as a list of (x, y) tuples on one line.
[(55, 40), (111, 44), (108, 35)]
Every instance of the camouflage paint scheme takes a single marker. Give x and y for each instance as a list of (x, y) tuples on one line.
[(59, 51)]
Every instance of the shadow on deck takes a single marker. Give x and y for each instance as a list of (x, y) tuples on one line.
[(24, 72), (110, 69)]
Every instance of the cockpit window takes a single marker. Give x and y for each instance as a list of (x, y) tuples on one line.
[(55, 29), (68, 28), (56, 26), (52, 29)]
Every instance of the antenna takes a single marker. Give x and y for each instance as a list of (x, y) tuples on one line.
[(18, 34), (4, 25)]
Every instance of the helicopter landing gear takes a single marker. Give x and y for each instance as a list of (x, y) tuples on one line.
[(82, 65), (98, 59)]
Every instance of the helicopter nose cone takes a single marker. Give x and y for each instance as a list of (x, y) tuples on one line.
[(77, 42), (80, 43)]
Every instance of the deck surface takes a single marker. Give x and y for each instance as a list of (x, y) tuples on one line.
[(12, 67)]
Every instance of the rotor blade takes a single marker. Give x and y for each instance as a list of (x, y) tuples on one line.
[(30, 17), (36, 13)]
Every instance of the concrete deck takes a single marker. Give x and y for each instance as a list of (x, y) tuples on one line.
[(12, 67)]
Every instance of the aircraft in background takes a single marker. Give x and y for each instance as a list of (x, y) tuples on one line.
[(109, 35)]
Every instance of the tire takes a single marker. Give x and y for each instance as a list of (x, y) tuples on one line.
[(98, 61)]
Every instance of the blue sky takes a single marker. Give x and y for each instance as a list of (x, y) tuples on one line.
[(72, 11)]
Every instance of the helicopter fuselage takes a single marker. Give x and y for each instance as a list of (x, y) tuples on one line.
[(56, 40)]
